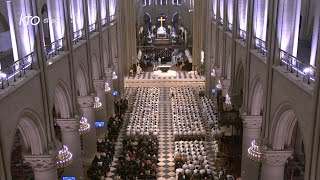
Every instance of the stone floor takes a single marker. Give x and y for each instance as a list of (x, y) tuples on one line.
[(166, 165), (118, 147)]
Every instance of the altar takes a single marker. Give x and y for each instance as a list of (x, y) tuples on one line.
[(169, 73), (161, 31)]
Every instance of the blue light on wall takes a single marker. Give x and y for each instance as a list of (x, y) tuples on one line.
[(213, 91), (99, 124), (115, 93), (68, 178)]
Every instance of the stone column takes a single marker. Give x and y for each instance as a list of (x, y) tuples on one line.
[(44, 166), (207, 48), (71, 138), (101, 113), (89, 140), (273, 163), (109, 96), (251, 131), (197, 34)]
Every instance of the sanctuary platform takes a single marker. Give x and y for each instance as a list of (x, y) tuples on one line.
[(165, 79)]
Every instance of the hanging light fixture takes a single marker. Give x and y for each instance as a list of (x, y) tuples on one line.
[(219, 85), (84, 126), (228, 103), (114, 76), (213, 73), (97, 103), (255, 151), (106, 87), (64, 157)]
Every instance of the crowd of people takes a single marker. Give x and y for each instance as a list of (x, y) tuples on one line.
[(139, 159), (139, 155), (100, 165), (143, 121), (187, 122), (121, 106), (163, 54), (128, 93), (191, 160), (211, 117)]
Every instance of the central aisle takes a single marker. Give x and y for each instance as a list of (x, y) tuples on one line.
[(166, 165)]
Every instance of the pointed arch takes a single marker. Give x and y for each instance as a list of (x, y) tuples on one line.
[(256, 97), (33, 133), (239, 79), (82, 81), (106, 52), (229, 61), (283, 124), (62, 100), (95, 67)]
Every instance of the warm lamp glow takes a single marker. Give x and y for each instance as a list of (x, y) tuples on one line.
[(97, 103), (64, 157), (84, 126), (219, 86), (114, 76), (255, 151), (106, 87)]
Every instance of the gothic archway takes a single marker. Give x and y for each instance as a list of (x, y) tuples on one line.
[(238, 83), (286, 134), (28, 139), (256, 97), (62, 101), (82, 81), (175, 23), (95, 68), (146, 24)]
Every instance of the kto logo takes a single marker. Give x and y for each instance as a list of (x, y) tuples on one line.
[(35, 20)]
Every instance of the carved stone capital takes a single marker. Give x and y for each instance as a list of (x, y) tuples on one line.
[(98, 84), (41, 162), (108, 72), (68, 125), (86, 101), (252, 122), (275, 158)]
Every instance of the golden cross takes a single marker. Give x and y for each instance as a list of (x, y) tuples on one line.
[(161, 20)]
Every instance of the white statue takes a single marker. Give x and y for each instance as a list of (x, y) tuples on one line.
[(219, 85), (202, 57), (228, 103), (213, 73), (139, 70), (139, 54)]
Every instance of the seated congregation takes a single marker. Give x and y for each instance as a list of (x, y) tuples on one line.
[(139, 159), (144, 118), (187, 122)]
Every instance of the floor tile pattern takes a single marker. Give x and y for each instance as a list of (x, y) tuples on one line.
[(118, 147), (209, 138), (180, 75), (166, 168), (166, 165)]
